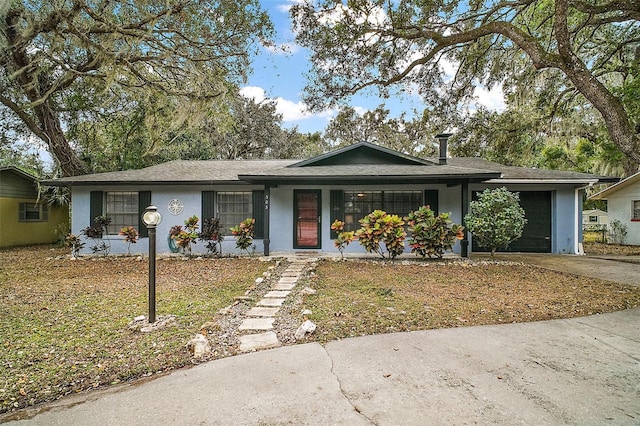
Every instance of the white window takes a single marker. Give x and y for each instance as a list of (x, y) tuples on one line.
[(122, 208), (593, 219), (33, 212), (232, 208)]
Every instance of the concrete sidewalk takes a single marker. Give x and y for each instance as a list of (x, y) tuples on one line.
[(578, 371)]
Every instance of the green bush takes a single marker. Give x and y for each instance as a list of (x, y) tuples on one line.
[(379, 228), (244, 234), (344, 237), (431, 235), (496, 218)]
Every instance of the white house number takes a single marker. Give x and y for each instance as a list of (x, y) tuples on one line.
[(175, 207)]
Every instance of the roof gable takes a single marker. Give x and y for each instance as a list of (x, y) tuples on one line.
[(362, 153), (602, 195)]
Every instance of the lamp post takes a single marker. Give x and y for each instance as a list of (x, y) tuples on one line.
[(152, 219)]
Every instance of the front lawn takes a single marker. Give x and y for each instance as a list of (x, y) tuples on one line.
[(64, 323), (359, 298)]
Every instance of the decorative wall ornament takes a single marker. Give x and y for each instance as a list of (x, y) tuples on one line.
[(175, 207)]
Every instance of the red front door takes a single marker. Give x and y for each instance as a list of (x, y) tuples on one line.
[(306, 211)]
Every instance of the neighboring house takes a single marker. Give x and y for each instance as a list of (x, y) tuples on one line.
[(24, 218), (594, 219), (623, 204), (294, 202)]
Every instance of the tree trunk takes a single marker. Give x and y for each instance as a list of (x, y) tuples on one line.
[(615, 117), (57, 143)]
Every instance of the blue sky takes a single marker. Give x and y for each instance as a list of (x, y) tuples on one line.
[(280, 76)]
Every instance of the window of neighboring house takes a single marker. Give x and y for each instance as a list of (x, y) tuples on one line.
[(635, 214), (233, 208), (33, 212), (358, 204), (122, 208), (593, 219)]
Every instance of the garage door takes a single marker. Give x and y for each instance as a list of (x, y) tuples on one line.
[(536, 237)]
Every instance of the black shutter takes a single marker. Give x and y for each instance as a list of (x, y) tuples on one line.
[(144, 201), (95, 206), (431, 199), (208, 205), (336, 205), (258, 213)]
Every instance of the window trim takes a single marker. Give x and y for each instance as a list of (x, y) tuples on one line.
[(136, 216), (43, 211), (635, 210)]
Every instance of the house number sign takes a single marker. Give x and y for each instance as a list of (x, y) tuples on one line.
[(175, 207)]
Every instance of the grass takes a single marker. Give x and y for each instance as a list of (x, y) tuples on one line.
[(64, 324), (360, 298)]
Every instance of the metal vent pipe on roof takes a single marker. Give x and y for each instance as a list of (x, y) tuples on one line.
[(443, 139)]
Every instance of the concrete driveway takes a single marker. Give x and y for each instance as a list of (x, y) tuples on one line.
[(621, 269)]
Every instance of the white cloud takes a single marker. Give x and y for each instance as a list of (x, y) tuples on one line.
[(285, 7), (253, 92), (283, 48), (290, 110), (492, 98)]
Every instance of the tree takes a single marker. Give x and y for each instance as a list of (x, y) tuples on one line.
[(62, 59), (496, 218), (587, 49), (413, 137)]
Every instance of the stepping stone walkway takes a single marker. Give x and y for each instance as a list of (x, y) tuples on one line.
[(260, 318)]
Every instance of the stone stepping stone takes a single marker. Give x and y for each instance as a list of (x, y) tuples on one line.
[(271, 302), (253, 342), (288, 280), (277, 294), (284, 286), (287, 274), (256, 324), (262, 312)]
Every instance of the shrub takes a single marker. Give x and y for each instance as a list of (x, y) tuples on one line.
[(244, 234), (130, 236), (185, 236), (344, 237), (75, 243), (496, 218), (431, 235), (379, 228), (211, 233), (618, 232), (96, 232)]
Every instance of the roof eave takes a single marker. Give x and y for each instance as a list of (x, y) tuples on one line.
[(142, 182)]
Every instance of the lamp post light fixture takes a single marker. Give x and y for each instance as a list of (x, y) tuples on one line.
[(152, 218)]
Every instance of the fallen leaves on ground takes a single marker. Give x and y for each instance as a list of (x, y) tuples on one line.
[(64, 323), (357, 298)]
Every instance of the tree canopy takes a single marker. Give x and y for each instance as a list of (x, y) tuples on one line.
[(63, 60), (586, 51)]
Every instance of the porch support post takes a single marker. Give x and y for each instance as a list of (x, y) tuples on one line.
[(266, 241), (464, 244)]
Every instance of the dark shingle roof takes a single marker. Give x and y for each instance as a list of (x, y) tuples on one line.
[(178, 172), (514, 173), (182, 172)]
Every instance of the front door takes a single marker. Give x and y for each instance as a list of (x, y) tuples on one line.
[(306, 218)]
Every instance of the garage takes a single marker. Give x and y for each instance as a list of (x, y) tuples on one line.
[(536, 237)]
